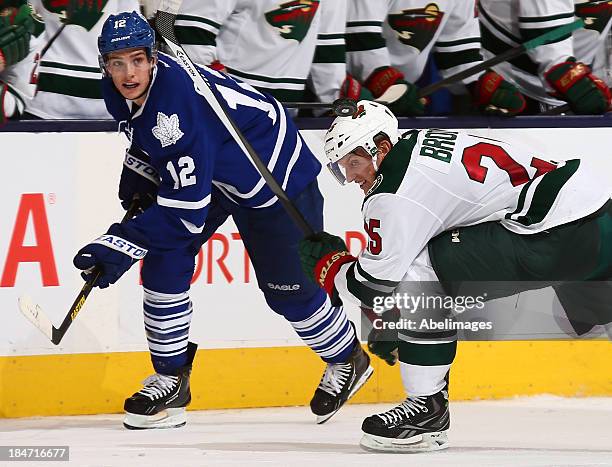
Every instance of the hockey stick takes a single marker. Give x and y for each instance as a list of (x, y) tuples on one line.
[(545, 38), (164, 24), (560, 109), (34, 313), (431, 88), (342, 107)]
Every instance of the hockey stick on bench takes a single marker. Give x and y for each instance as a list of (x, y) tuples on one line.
[(35, 314), (545, 38), (164, 24)]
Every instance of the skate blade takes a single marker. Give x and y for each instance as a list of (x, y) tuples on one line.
[(364, 379), (169, 418), (419, 443)]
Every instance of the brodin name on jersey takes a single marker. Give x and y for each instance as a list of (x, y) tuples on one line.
[(293, 19), (416, 27)]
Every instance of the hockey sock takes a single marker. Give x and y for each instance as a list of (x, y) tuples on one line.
[(424, 365), (167, 318), (328, 332)]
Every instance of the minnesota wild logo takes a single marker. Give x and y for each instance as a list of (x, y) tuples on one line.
[(293, 19), (595, 14), (417, 27), (84, 13)]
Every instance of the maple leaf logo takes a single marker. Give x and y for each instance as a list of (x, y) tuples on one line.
[(167, 130)]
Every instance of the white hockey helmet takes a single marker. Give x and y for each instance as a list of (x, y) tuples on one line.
[(348, 133)]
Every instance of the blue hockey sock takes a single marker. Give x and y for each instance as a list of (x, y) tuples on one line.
[(167, 318), (328, 332)]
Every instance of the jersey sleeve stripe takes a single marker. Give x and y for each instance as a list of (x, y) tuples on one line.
[(175, 203), (194, 229), (374, 280), (360, 41), (547, 191), (198, 19), (362, 290)]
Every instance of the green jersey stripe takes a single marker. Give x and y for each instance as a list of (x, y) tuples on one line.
[(547, 191), (374, 280), (198, 19), (65, 66), (471, 40), (70, 85), (543, 19), (189, 35), (330, 54), (446, 60), (327, 37), (354, 24), (356, 42), (265, 79)]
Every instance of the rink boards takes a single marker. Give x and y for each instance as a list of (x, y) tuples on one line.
[(59, 192)]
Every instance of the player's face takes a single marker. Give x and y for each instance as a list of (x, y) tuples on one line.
[(358, 167), (130, 71)]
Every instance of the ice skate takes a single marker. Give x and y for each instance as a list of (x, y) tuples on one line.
[(162, 401), (418, 424), (339, 383)]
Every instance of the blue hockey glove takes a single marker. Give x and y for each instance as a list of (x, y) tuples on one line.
[(112, 253), (139, 178)]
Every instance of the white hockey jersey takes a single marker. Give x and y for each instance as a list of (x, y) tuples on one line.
[(508, 23), (274, 45), (437, 180), (68, 75), (403, 33)]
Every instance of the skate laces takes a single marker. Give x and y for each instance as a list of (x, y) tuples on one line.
[(408, 408), (157, 385), (334, 377)]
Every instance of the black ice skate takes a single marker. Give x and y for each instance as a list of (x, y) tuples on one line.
[(418, 424), (161, 402), (339, 383)]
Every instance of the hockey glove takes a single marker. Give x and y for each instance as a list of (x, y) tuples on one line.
[(388, 86), (112, 252), (383, 342), (16, 27), (583, 91), (138, 178), (85, 13), (495, 96), (321, 256), (352, 89)]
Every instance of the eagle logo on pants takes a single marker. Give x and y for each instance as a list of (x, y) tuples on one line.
[(292, 20), (417, 27)]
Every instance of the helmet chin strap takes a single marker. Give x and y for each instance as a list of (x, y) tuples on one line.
[(375, 160)]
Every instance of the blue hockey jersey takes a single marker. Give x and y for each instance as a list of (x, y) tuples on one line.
[(192, 150)]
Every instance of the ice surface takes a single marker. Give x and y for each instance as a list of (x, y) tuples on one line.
[(538, 431)]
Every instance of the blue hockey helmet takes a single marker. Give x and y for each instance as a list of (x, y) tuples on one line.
[(126, 30)]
